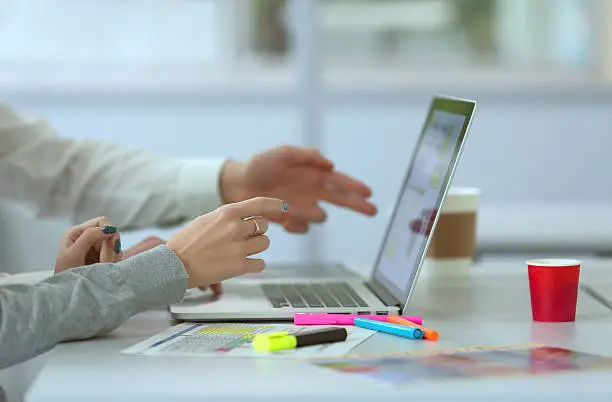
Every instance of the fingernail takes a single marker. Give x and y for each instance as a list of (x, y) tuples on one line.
[(117, 246), (109, 229), (285, 206)]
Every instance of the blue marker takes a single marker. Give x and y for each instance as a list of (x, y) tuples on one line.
[(386, 327)]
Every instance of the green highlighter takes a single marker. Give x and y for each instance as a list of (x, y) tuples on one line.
[(284, 340)]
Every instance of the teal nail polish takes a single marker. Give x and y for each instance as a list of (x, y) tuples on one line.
[(117, 246), (109, 229), (285, 206)]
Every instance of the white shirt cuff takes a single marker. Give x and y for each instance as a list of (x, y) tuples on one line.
[(198, 186)]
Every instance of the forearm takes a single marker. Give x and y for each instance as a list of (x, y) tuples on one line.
[(82, 179), (85, 302)]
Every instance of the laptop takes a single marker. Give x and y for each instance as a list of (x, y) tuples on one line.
[(284, 290)]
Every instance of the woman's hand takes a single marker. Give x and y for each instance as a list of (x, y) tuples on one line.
[(92, 242), (218, 246)]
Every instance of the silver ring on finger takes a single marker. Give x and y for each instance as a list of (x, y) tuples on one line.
[(256, 229)]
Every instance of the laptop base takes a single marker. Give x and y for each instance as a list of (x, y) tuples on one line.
[(245, 300)]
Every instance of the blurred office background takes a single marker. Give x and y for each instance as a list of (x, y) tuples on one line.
[(189, 78)]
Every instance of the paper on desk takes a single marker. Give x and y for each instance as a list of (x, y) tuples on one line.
[(467, 364), (234, 340)]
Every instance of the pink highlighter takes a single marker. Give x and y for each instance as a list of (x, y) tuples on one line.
[(343, 319)]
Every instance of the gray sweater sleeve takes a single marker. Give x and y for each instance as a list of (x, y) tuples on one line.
[(84, 302)]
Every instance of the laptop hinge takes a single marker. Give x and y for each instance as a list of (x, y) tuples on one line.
[(383, 294)]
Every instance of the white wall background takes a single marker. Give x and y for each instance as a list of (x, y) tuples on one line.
[(540, 159)]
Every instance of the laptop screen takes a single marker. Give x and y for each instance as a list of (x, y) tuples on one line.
[(422, 193)]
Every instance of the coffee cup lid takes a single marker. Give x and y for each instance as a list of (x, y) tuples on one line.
[(461, 199)]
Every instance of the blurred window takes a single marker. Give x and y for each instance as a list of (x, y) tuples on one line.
[(107, 38), (515, 34)]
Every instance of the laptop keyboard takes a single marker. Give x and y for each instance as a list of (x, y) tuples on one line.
[(312, 295)]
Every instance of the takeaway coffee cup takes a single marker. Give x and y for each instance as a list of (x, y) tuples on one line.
[(454, 238)]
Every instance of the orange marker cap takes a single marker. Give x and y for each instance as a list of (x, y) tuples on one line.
[(429, 334)]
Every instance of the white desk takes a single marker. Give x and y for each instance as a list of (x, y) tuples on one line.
[(489, 308)]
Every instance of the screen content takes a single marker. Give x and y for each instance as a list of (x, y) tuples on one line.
[(414, 216)]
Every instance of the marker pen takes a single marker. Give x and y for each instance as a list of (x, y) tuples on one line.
[(393, 329), (342, 319), (429, 334), (283, 340)]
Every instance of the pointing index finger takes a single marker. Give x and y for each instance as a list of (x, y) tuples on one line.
[(271, 208)]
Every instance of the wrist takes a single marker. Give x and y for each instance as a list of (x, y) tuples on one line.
[(231, 182)]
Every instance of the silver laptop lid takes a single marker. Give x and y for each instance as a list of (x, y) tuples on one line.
[(429, 175)]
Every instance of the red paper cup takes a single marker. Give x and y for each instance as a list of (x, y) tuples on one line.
[(553, 284)]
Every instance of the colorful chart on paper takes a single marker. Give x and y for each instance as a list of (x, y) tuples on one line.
[(234, 340), (466, 363)]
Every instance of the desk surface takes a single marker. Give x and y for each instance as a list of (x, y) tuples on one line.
[(493, 300)]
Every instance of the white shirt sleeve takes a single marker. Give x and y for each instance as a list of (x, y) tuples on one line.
[(84, 179)]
